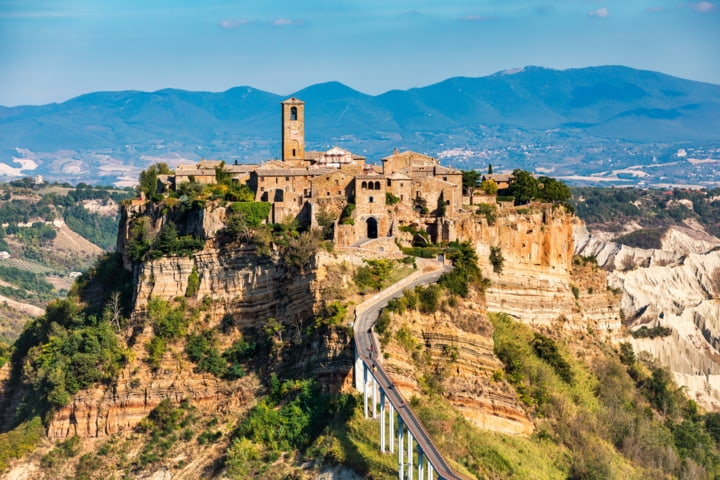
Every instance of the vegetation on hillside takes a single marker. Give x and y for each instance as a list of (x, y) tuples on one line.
[(654, 209)]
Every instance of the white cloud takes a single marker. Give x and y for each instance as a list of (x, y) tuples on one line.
[(286, 22), (230, 24), (703, 7), (599, 13)]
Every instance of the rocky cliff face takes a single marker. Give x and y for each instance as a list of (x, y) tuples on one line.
[(535, 284), (538, 282), (677, 287), (235, 286), (453, 354)]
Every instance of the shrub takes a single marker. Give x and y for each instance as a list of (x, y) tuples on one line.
[(391, 199), (373, 275), (490, 212), (254, 213), (429, 298), (545, 348), (496, 259), (654, 332), (193, 283)]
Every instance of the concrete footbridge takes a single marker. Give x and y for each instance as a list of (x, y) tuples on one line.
[(415, 449)]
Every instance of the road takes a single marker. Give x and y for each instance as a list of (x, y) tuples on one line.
[(369, 350)]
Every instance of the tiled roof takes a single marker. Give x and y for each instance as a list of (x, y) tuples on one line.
[(292, 172)]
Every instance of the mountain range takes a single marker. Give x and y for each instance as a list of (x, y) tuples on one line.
[(565, 121)]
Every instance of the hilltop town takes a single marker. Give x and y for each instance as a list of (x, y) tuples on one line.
[(373, 202)]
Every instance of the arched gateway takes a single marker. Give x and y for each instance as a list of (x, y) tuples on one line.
[(372, 227)]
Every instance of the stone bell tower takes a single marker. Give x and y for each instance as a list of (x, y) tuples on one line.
[(293, 131)]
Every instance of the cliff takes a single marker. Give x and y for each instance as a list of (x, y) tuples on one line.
[(452, 354), (675, 287)]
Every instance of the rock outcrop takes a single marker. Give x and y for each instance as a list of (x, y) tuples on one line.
[(454, 355), (677, 287)]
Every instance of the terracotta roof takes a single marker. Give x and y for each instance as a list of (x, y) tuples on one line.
[(196, 172), (292, 172), (241, 168), (498, 177), (209, 163)]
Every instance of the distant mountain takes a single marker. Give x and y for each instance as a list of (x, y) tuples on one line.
[(576, 111)]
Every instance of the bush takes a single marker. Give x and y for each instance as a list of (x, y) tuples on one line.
[(490, 212), (496, 259), (254, 213), (193, 283), (546, 349), (654, 332), (429, 298), (373, 275)]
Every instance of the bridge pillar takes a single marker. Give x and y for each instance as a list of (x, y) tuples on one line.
[(401, 460), (410, 455), (392, 428), (430, 471), (365, 392), (358, 371), (421, 461), (374, 395), (382, 421)]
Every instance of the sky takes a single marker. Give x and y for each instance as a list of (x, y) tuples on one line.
[(53, 50)]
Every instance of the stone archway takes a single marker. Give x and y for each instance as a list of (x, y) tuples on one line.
[(372, 227)]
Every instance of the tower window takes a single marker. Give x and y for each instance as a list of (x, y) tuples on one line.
[(294, 152), (370, 200), (293, 114), (364, 185), (377, 185)]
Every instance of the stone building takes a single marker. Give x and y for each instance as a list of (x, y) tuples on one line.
[(408, 188)]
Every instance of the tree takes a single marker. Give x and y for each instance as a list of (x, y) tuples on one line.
[(114, 310), (552, 190), (524, 186), (148, 181), (490, 169), (489, 187), (470, 179)]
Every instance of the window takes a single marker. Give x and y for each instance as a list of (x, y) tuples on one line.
[(287, 179), (364, 185), (293, 117), (370, 199), (370, 186), (377, 185), (294, 154), (388, 182)]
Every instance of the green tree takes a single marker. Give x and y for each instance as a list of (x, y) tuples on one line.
[(489, 187), (470, 179), (148, 181), (524, 187), (552, 190)]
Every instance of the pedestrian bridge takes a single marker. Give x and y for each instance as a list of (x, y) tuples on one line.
[(400, 430)]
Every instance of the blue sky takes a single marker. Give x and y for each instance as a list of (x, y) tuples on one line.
[(52, 50)]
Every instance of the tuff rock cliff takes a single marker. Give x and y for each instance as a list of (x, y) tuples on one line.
[(538, 283), (676, 287)]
